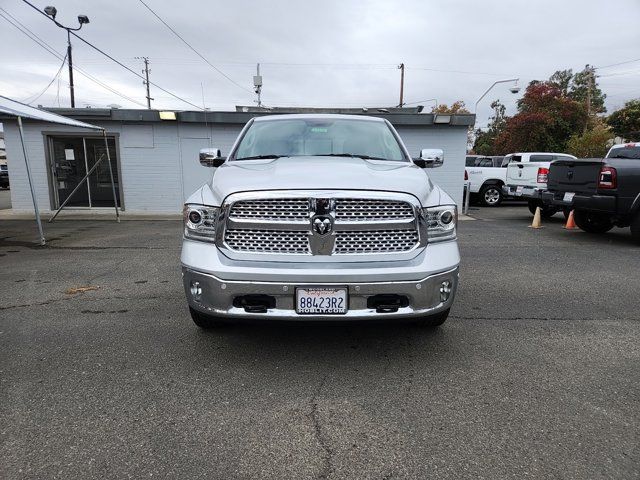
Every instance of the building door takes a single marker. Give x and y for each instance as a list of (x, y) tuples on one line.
[(100, 179), (69, 169), (72, 158)]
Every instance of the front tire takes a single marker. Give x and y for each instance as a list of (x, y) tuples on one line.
[(592, 222), (206, 322), (433, 321), (491, 195)]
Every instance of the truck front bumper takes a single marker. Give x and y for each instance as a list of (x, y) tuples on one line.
[(429, 283)]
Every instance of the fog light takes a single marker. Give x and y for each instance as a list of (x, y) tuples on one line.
[(445, 291), (196, 291)]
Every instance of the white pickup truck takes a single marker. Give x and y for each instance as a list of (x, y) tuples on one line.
[(487, 175), (527, 178), (320, 218)]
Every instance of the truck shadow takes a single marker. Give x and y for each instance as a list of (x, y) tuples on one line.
[(295, 346)]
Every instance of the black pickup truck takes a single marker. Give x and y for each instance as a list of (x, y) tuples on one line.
[(603, 192)]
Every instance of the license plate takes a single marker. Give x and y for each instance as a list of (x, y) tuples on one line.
[(568, 196), (518, 191), (321, 301)]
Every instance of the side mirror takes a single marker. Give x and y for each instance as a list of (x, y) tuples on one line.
[(430, 158), (211, 157)]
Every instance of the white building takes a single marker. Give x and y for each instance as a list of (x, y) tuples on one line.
[(155, 154)]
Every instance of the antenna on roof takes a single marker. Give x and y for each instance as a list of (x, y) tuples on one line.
[(257, 83), (205, 110)]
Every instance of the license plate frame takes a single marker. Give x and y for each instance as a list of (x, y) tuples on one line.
[(322, 295)]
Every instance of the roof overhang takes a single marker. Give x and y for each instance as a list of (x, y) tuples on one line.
[(397, 116)]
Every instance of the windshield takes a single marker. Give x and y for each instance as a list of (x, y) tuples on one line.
[(320, 137), (625, 152)]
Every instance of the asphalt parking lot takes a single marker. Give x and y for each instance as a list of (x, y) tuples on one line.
[(534, 375)]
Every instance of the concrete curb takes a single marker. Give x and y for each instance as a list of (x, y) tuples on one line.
[(10, 214)]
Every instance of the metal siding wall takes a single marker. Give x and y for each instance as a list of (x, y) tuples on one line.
[(453, 140), (152, 175), (194, 137), (35, 145)]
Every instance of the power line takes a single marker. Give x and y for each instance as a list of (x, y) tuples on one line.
[(32, 36), (193, 49), (115, 60), (458, 71), (64, 60), (628, 72), (619, 63)]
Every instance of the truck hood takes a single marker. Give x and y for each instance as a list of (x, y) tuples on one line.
[(319, 173)]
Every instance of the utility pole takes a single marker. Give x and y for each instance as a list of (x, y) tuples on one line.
[(591, 81), (257, 83), (70, 62), (401, 67), (146, 72)]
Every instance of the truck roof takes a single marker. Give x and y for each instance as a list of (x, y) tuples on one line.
[(625, 145), (319, 116), (539, 153)]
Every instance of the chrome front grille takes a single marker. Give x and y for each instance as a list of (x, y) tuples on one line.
[(358, 209), (293, 225), (378, 241), (286, 209), (267, 241)]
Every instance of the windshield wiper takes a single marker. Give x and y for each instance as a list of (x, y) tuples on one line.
[(261, 157), (352, 155)]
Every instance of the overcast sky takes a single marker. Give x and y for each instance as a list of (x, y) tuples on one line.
[(321, 53)]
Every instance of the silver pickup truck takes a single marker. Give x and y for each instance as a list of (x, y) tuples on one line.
[(319, 217)]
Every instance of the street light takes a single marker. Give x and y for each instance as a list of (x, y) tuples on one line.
[(515, 89), (82, 19)]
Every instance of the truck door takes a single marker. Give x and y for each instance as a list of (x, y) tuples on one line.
[(513, 169)]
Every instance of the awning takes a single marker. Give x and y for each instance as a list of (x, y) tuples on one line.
[(19, 110)]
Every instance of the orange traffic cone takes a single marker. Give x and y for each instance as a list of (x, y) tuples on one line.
[(537, 222), (571, 223)]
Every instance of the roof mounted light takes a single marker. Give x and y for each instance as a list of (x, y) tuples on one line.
[(167, 115)]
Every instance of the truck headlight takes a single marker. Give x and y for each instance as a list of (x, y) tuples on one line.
[(441, 222), (200, 222)]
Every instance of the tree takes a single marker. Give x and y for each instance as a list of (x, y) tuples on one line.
[(593, 143), (544, 122), (562, 79), (626, 121), (485, 140), (584, 89), (456, 107), (527, 132)]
